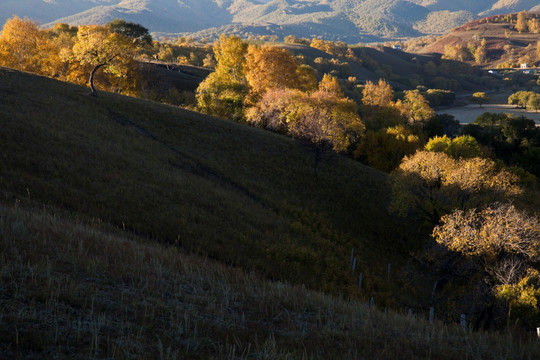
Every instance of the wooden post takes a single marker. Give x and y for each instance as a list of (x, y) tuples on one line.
[(431, 314), (354, 265), (463, 321), (360, 281)]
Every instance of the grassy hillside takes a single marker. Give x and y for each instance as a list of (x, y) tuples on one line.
[(238, 194), (80, 291), (113, 211)]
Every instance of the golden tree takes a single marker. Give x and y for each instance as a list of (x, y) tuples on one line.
[(434, 184), (521, 24), (324, 119), (22, 45), (269, 67), (99, 47), (223, 92), (415, 107), (377, 95)]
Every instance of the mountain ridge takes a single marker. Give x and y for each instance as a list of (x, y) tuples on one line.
[(352, 21)]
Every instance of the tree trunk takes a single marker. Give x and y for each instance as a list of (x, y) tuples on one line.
[(91, 80)]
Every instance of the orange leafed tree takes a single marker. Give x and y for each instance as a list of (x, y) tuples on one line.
[(269, 67), (24, 46)]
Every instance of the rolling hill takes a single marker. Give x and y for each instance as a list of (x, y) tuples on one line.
[(351, 21), (130, 229), (505, 45)]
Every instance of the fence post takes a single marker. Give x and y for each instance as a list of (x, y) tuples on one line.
[(360, 281), (431, 314), (354, 265), (352, 255)]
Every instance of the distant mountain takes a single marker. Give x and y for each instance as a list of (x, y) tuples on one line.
[(347, 20)]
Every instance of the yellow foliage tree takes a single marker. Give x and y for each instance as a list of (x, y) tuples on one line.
[(223, 92), (99, 47), (434, 184), (269, 67), (23, 46), (325, 119)]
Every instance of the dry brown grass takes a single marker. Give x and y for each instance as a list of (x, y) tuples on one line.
[(84, 291)]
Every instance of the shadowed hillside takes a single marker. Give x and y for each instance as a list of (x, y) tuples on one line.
[(242, 195), (90, 187)]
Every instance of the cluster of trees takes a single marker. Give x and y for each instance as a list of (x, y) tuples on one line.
[(525, 99), (267, 87), (514, 140), (476, 51), (527, 22), (182, 50), (75, 54), (480, 211)]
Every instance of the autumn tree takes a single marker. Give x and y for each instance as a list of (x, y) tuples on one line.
[(223, 92), (323, 118), (99, 47), (377, 95), (480, 54), (480, 98), (415, 107), (434, 184), (23, 46), (503, 241), (521, 24), (270, 67), (384, 149)]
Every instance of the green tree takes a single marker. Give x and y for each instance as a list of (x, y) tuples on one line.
[(138, 33), (384, 149)]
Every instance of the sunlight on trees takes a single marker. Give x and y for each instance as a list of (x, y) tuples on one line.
[(434, 184), (99, 47), (22, 45), (223, 92), (480, 98)]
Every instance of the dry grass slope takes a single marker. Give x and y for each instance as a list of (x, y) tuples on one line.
[(84, 291)]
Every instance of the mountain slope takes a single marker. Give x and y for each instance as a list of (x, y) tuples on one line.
[(347, 20), (239, 194)]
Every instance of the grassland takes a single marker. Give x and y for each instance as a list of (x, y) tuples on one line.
[(237, 194), (130, 229), (74, 290)]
